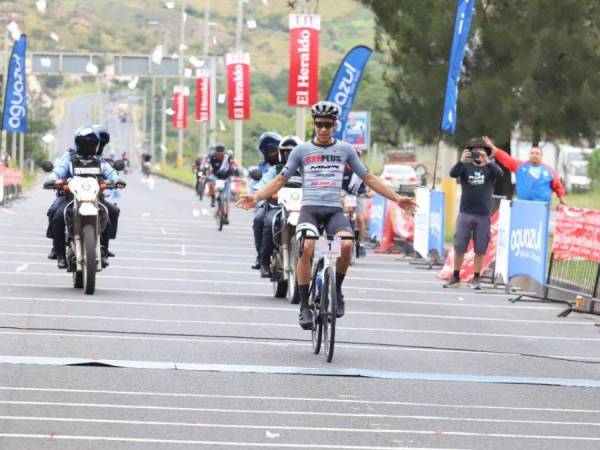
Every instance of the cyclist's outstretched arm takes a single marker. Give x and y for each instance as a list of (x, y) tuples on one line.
[(377, 185), (249, 200)]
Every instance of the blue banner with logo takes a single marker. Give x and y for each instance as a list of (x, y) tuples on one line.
[(464, 14), (437, 213), (528, 240), (377, 219), (345, 84), (14, 115)]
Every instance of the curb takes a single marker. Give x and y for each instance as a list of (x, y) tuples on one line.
[(174, 180)]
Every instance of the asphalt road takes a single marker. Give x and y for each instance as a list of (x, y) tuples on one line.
[(205, 357)]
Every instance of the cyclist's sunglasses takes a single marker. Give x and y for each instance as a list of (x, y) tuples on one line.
[(320, 124)]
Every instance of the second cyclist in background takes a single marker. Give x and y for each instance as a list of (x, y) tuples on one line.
[(222, 167)]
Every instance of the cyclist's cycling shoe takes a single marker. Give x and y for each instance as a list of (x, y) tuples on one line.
[(52, 254), (453, 283), (61, 262), (110, 254), (341, 306), (212, 202), (265, 272), (306, 318), (225, 220), (256, 264)]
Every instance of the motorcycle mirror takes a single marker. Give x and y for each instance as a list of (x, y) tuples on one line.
[(118, 165), (47, 166), (255, 174)]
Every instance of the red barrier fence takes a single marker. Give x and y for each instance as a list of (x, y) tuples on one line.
[(11, 184)]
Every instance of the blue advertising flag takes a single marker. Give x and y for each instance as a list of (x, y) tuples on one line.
[(14, 115), (528, 240), (345, 84), (464, 13)]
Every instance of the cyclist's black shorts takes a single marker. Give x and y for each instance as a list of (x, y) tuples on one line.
[(331, 218)]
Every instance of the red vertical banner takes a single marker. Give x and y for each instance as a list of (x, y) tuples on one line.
[(303, 88), (180, 105), (202, 96), (238, 85)]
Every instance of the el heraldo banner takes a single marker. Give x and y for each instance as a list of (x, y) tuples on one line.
[(238, 85), (303, 89), (203, 96)]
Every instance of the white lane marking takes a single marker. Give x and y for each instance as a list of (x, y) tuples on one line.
[(293, 309), (8, 211), (143, 215), (163, 231), (182, 251), (205, 212), (22, 267), (212, 443), (290, 325), (238, 294), (231, 272), (195, 212), (238, 250), (263, 343), (270, 435), (178, 291), (310, 413), (298, 399)]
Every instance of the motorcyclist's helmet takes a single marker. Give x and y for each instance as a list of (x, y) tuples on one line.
[(104, 137), (268, 140), (287, 144), (87, 142)]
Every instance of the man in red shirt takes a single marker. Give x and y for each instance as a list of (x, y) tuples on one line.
[(535, 180)]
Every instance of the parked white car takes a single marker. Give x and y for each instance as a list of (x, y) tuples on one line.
[(577, 177), (396, 175)]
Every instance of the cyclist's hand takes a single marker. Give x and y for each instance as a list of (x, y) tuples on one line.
[(247, 201), (407, 203)]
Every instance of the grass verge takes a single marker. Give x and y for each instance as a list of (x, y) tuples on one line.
[(185, 176)]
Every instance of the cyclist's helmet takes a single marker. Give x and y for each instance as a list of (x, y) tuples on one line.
[(87, 142), (104, 137), (220, 148), (287, 144), (325, 109), (268, 140)]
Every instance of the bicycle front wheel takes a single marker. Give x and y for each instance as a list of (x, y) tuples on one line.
[(328, 312), (220, 214)]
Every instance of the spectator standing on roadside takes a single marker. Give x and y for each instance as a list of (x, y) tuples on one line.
[(477, 175), (535, 180)]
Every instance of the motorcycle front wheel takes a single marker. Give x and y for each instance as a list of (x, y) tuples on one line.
[(89, 259)]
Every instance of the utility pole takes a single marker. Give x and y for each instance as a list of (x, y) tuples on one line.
[(204, 125), (181, 67), (212, 138), (153, 119), (300, 110), (163, 125), (238, 124)]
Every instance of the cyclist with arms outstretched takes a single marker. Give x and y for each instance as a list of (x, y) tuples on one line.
[(321, 163)]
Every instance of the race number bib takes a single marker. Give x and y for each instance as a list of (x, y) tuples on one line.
[(220, 184), (351, 201), (329, 249)]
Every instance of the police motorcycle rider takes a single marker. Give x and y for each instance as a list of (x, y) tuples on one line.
[(222, 167), (87, 147), (321, 162), (268, 145), (113, 213), (287, 144), (353, 185)]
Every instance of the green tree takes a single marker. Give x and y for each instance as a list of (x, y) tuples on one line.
[(594, 167)]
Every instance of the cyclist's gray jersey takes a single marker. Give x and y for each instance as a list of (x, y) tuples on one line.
[(322, 169)]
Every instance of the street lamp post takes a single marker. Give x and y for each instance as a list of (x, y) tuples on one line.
[(238, 124), (181, 67)]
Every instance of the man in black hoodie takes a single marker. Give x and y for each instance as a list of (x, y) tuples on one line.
[(477, 175)]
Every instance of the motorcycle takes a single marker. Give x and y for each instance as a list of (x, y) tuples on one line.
[(85, 218), (285, 254)]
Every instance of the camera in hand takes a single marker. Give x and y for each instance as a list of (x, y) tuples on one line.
[(475, 154)]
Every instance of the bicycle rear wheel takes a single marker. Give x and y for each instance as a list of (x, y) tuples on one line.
[(328, 312)]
